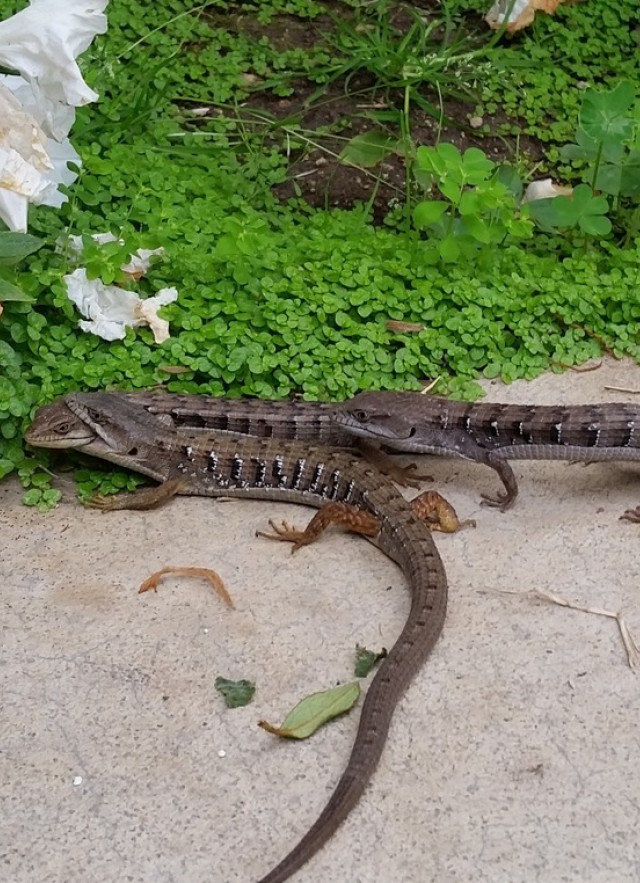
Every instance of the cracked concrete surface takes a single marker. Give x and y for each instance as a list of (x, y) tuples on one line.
[(513, 757)]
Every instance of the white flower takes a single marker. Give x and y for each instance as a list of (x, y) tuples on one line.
[(138, 263), (31, 164), (44, 40), (36, 109), (110, 310)]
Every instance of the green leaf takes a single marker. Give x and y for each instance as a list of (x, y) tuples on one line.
[(429, 212), (630, 175), (604, 116), (450, 155), (582, 209), (478, 228), (16, 246), (429, 160), (476, 165), (314, 711), (510, 178), (469, 203), (235, 693), (368, 149), (366, 660), (449, 249), (547, 213), (609, 179), (9, 291), (595, 225), (32, 497), (6, 466), (450, 189)]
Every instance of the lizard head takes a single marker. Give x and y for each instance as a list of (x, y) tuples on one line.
[(382, 416), (101, 424), (56, 426)]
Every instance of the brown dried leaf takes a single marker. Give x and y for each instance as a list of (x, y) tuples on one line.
[(203, 572), (403, 327)]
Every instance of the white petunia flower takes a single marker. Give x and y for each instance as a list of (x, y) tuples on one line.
[(44, 40), (37, 108), (110, 310)]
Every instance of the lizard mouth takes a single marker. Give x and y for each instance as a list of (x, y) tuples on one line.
[(51, 430), (42, 439)]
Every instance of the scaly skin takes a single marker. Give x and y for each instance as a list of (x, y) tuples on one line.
[(191, 461)]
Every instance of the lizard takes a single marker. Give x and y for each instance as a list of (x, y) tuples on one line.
[(294, 420), (493, 433), (405, 422), (188, 461)]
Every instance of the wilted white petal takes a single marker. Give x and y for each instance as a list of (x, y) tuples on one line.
[(14, 210), (110, 310), (20, 176), (498, 12), (31, 164), (140, 262), (21, 133), (55, 118), (545, 189), (147, 311), (60, 155), (43, 41)]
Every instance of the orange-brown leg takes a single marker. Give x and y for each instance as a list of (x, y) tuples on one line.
[(353, 519), (437, 513)]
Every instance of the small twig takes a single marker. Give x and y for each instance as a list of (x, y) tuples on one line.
[(633, 652), (429, 386), (577, 369), (624, 389)]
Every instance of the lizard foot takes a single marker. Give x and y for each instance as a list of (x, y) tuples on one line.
[(437, 513), (502, 501), (631, 515), (405, 476), (144, 499)]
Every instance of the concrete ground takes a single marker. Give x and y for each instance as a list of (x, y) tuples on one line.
[(514, 756)]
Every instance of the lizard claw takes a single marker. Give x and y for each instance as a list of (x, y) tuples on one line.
[(502, 501), (99, 501)]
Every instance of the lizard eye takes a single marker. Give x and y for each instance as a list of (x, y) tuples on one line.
[(62, 428), (361, 416)]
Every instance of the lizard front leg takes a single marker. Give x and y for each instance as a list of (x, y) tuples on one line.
[(147, 498), (503, 499)]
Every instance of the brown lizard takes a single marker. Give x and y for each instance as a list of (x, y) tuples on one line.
[(492, 433), (190, 461), (404, 422)]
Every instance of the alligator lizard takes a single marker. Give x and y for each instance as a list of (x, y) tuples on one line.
[(191, 461), (492, 433)]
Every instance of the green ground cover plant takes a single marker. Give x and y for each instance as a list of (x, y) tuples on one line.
[(278, 298)]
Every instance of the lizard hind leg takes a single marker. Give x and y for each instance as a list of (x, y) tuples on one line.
[(349, 517)]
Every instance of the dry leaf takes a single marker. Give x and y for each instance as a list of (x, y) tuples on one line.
[(203, 572), (403, 327)]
